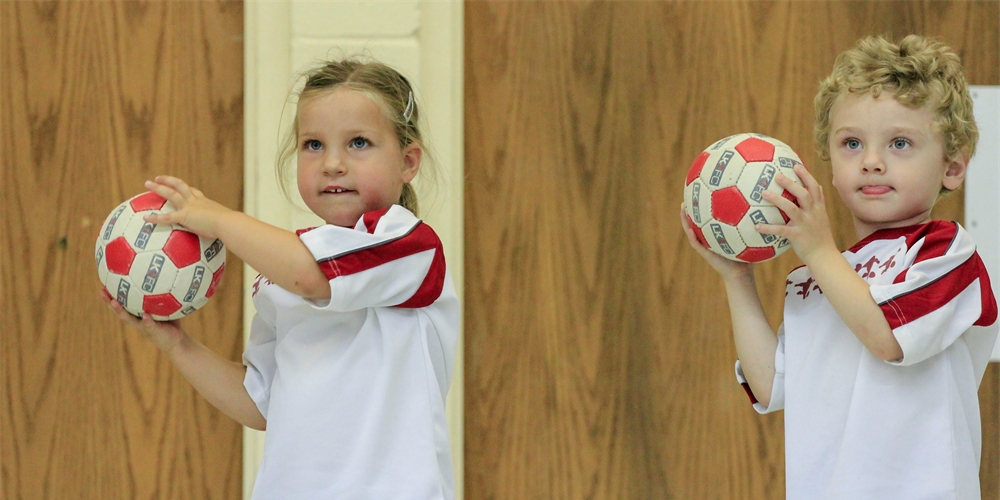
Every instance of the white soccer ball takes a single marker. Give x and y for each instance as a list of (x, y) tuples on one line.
[(158, 269), (722, 196)]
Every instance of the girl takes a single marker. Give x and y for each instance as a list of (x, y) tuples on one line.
[(351, 349)]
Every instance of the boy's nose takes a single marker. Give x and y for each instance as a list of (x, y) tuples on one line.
[(873, 163)]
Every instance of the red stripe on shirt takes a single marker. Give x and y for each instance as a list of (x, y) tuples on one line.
[(915, 304), (937, 235), (420, 239), (989, 314)]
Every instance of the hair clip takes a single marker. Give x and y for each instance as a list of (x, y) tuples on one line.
[(408, 112)]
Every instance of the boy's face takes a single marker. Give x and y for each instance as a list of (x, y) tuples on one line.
[(888, 161)]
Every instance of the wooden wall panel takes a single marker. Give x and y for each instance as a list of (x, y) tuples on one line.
[(599, 359), (96, 97)]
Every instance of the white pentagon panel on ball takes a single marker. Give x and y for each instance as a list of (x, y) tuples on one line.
[(102, 264), (144, 235), (192, 283), (750, 235), (720, 171), (756, 178), (723, 239), (213, 253), (698, 200), (114, 224), (122, 290), (153, 273)]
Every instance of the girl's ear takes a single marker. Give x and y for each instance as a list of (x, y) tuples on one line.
[(412, 155), (954, 173)]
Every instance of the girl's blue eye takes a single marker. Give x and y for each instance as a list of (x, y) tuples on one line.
[(852, 144), (359, 142), (313, 145), (900, 143)]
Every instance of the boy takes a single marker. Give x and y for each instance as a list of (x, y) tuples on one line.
[(882, 349)]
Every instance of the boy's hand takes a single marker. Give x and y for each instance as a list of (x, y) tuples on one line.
[(193, 209), (725, 267), (165, 335), (808, 227)]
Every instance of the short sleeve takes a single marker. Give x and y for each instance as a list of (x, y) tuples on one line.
[(943, 291), (777, 387), (389, 259)]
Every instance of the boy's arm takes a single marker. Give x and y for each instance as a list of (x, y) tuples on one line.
[(808, 230), (275, 253), (755, 341), (218, 380)]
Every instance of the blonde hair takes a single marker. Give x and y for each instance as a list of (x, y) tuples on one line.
[(385, 86), (918, 71)]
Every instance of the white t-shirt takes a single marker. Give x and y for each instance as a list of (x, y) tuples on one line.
[(857, 427), (354, 390)]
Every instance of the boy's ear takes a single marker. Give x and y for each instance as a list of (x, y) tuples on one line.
[(412, 155), (954, 173)]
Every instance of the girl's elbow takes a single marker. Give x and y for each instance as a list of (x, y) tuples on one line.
[(313, 286)]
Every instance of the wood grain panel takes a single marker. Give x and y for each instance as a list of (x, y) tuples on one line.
[(96, 97), (599, 359)]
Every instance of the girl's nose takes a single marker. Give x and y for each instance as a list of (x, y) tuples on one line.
[(333, 165)]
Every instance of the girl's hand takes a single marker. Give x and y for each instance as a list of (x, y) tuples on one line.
[(729, 269), (165, 335), (193, 209)]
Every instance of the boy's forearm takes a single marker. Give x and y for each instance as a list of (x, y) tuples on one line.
[(274, 252), (218, 380), (755, 341), (850, 296)]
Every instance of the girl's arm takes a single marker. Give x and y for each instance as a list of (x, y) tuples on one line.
[(755, 341), (218, 380), (275, 253), (808, 230)]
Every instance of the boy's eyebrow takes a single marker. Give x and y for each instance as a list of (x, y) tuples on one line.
[(900, 130)]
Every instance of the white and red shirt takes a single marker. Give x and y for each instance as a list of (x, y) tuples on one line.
[(354, 389), (857, 427)]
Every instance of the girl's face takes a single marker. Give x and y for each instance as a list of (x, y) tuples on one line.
[(349, 158)]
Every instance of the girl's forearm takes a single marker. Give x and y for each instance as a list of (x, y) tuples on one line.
[(218, 380), (274, 252)]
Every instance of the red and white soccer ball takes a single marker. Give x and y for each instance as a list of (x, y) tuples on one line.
[(722, 196), (157, 269)]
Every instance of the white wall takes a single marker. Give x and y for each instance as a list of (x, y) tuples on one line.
[(982, 183), (420, 38)]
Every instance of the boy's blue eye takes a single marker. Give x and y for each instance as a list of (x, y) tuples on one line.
[(900, 143), (313, 145), (359, 142), (852, 144)]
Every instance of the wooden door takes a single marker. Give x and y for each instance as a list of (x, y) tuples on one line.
[(599, 359), (96, 97)]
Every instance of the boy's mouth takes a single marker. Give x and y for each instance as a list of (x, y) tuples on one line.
[(337, 190), (875, 190)]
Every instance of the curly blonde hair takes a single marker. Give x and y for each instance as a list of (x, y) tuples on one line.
[(385, 86), (918, 71)]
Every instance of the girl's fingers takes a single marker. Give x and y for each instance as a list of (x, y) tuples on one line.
[(175, 183), (166, 191)]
